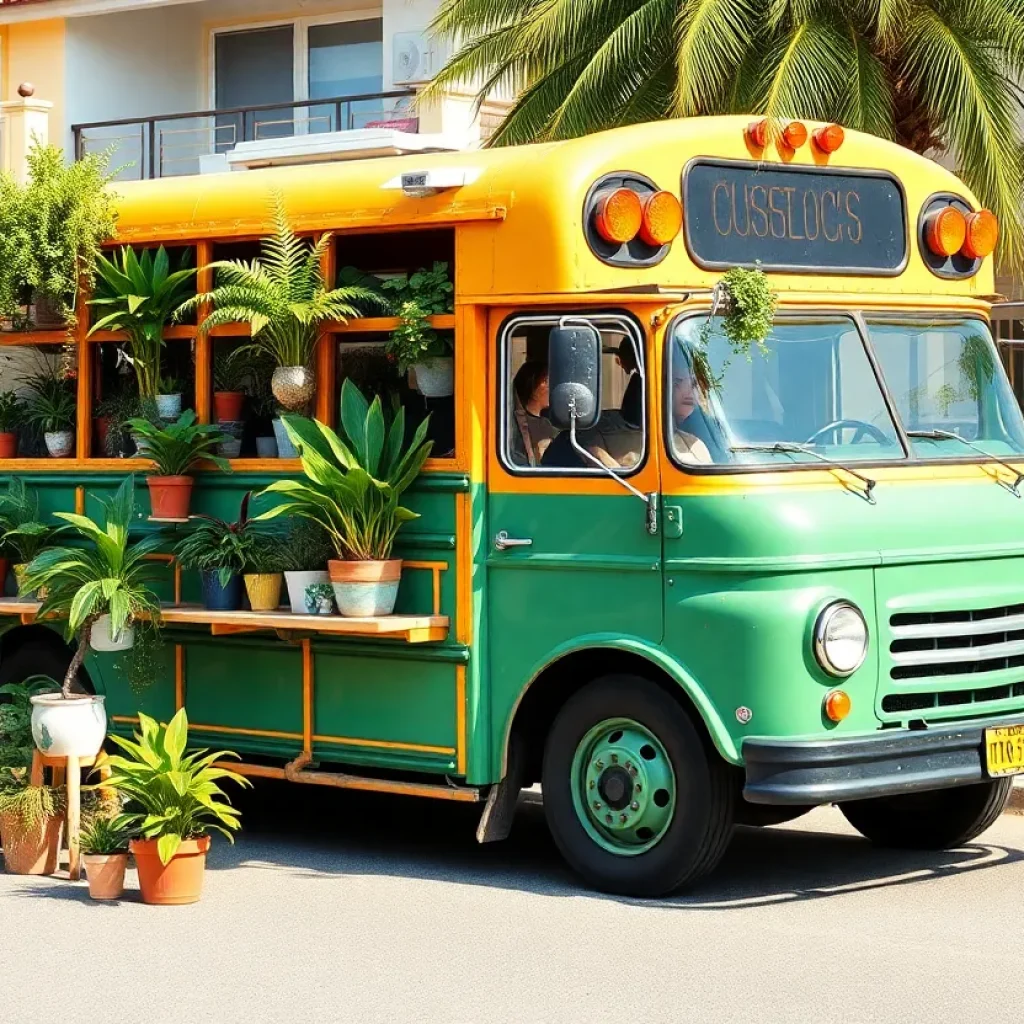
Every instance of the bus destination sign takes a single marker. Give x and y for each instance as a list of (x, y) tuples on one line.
[(802, 219)]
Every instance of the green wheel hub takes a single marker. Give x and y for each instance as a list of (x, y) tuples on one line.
[(623, 786)]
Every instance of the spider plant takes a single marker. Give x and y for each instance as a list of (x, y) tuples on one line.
[(53, 411), (218, 544)]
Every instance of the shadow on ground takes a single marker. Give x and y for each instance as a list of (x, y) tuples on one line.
[(322, 832)]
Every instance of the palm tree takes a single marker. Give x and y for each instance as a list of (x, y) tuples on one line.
[(930, 74)]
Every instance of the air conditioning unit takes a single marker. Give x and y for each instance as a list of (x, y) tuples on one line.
[(415, 57)]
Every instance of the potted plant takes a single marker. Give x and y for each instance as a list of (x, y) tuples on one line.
[(104, 844), (174, 801), (306, 551), (175, 449), (266, 414), (30, 823), (52, 409), (218, 549), (139, 295), (414, 344), (112, 416), (101, 588), (264, 563), (22, 534), (168, 398), (230, 376), (352, 489), (13, 413), (282, 296)]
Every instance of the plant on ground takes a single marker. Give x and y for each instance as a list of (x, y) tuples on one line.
[(171, 796), (932, 75), (353, 483), (28, 805), (175, 449), (416, 298), (139, 295), (105, 836), (106, 575), (13, 412), (281, 295), (217, 544)]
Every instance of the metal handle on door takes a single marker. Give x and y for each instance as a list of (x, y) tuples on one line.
[(503, 541)]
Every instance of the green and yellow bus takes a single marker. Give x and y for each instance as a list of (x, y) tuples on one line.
[(681, 584)]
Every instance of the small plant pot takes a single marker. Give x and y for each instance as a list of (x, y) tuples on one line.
[(435, 378), (266, 447), (8, 446), (178, 881), (170, 496), (59, 443), (217, 598), (30, 849), (365, 589), (227, 406), (168, 407), (297, 582), (105, 873), (285, 448), (46, 313), (293, 386), (19, 579), (100, 639), (73, 727), (264, 590), (141, 446), (232, 447)]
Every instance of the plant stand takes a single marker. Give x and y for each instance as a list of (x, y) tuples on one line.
[(67, 771)]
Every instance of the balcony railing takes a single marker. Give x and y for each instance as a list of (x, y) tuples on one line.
[(171, 144)]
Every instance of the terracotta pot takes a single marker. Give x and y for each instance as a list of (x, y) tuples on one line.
[(4, 566), (180, 880), (105, 872), (8, 446), (227, 405), (365, 589), (33, 850), (170, 496), (264, 590)]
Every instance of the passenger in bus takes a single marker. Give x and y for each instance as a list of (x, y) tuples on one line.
[(632, 407), (532, 430), (688, 418)]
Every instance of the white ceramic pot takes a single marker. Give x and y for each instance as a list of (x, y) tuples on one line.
[(293, 386), (296, 582), (285, 448), (68, 728), (59, 443), (168, 407), (101, 640), (266, 447), (435, 378)]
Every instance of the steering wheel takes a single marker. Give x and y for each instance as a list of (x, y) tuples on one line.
[(860, 427)]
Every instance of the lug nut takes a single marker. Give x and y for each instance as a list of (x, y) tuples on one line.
[(597, 805), (615, 758), (634, 806), (622, 818), (599, 764), (639, 787), (591, 783)]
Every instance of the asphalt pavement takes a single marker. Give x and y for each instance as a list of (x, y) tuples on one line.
[(346, 907)]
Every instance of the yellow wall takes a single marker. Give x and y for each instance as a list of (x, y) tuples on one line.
[(34, 52)]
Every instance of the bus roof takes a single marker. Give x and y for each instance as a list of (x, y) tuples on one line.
[(520, 212)]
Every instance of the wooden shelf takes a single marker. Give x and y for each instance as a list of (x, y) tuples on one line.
[(58, 337), (179, 332), (413, 629), (230, 331), (385, 324)]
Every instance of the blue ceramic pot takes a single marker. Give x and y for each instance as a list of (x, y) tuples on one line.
[(221, 599)]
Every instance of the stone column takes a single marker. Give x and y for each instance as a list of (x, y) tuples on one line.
[(24, 122)]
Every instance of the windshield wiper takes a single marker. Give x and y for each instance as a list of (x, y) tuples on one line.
[(791, 448), (948, 435)]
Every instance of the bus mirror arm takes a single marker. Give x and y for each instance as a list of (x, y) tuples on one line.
[(650, 500)]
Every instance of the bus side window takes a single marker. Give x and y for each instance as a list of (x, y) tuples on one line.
[(531, 442)]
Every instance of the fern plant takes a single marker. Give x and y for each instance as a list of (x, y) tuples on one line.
[(282, 295)]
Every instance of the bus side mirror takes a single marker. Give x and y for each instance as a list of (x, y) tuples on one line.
[(574, 376)]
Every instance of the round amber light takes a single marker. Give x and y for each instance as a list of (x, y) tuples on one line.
[(829, 137), (837, 705), (757, 132), (662, 219), (795, 134), (945, 231), (618, 216), (982, 235)]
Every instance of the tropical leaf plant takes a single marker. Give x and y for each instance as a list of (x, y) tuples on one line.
[(13, 411), (171, 796), (933, 75), (175, 449), (281, 295), (139, 295), (22, 532), (105, 575), (219, 544), (16, 743), (105, 836), (354, 480)]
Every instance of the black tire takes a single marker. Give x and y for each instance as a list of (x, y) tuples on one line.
[(765, 815), (37, 658), (936, 820), (702, 824)]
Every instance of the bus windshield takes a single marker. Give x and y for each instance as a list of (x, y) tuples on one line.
[(808, 392)]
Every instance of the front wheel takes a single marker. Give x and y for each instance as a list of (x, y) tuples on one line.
[(637, 802), (937, 820)]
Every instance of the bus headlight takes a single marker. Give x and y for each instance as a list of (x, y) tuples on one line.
[(840, 639)]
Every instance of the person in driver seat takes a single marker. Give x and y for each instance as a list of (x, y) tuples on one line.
[(687, 418)]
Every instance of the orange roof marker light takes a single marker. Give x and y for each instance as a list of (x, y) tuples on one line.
[(757, 133), (837, 705), (618, 216), (662, 218), (982, 233), (945, 231), (794, 134), (829, 137)]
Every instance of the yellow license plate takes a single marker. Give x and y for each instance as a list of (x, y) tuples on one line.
[(1004, 750)]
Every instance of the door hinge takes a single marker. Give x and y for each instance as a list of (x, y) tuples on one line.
[(673, 521)]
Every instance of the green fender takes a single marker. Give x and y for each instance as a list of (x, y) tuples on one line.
[(657, 656)]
